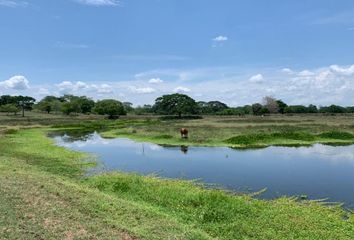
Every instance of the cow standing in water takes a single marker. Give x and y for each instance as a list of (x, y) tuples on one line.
[(184, 133)]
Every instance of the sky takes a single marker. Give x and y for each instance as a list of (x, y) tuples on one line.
[(234, 51)]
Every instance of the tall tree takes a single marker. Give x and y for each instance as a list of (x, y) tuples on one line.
[(110, 107), (175, 104)]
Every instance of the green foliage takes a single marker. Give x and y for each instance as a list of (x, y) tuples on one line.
[(250, 139), (110, 107), (128, 106), (175, 104), (212, 107), (259, 109), (49, 104), (143, 110), (75, 104), (337, 135), (23, 102), (281, 106), (9, 108), (333, 109)]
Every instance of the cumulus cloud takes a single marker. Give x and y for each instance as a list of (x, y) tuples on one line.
[(71, 87), (142, 90), (16, 83), (220, 38), (155, 80), (257, 78), (305, 73), (102, 88), (287, 71), (99, 2), (343, 70), (181, 89)]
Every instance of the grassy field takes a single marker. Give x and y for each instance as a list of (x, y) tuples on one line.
[(44, 193), (243, 132)]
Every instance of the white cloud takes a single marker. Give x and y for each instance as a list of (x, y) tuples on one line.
[(181, 89), (220, 38), (155, 80), (343, 70), (99, 2), (306, 73), (43, 91), (142, 90), (66, 87), (287, 71), (103, 88), (257, 78), (13, 3), (16, 83)]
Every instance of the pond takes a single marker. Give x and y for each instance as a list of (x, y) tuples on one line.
[(319, 171)]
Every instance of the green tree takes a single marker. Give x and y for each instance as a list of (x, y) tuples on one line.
[(9, 108), (110, 107), (211, 107), (281, 106), (71, 107), (312, 109), (25, 103), (128, 106), (175, 104), (296, 109), (86, 104), (257, 109)]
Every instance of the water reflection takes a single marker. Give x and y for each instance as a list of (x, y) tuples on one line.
[(184, 149), (319, 171)]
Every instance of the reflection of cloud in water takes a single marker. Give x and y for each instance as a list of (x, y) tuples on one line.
[(154, 147), (336, 154), (95, 139)]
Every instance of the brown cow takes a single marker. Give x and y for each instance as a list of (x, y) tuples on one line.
[(184, 133)]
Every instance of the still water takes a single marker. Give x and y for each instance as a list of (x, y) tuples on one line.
[(318, 172)]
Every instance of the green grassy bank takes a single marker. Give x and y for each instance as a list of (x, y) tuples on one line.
[(45, 195)]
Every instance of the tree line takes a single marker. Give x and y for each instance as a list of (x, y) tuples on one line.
[(170, 104)]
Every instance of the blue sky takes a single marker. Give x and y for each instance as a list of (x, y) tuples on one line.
[(135, 50)]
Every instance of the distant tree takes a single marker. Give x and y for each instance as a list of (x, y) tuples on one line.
[(211, 107), (296, 109), (257, 109), (146, 109), (128, 107), (86, 104), (9, 108), (350, 109), (71, 107), (25, 103), (271, 104), (109, 107), (281, 106), (45, 104), (333, 109), (7, 99), (69, 104), (175, 104), (312, 109)]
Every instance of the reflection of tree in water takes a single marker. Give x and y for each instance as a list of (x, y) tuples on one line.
[(73, 135), (184, 149)]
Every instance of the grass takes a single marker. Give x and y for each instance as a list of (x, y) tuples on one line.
[(44, 194), (242, 132)]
